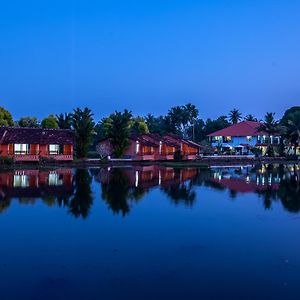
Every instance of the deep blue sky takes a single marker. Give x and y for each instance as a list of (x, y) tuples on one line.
[(149, 55)]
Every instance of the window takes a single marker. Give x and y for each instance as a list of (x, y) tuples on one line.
[(21, 148), (53, 149), (249, 138), (227, 139)]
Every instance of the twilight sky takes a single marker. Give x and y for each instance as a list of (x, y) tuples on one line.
[(149, 55)]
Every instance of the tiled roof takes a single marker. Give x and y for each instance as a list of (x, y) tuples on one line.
[(245, 128), (22, 135)]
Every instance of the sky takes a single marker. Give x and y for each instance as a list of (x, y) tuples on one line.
[(149, 55)]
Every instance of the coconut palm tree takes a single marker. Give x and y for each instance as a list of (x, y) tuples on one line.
[(83, 125), (235, 116), (250, 118)]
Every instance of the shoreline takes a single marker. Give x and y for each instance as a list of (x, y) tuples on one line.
[(201, 163)]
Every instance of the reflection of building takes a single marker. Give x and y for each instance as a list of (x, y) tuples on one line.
[(154, 147), (31, 144), (35, 183), (150, 176), (244, 180)]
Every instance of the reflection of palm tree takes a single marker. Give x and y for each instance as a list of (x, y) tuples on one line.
[(289, 194), (116, 191), (181, 192), (82, 200)]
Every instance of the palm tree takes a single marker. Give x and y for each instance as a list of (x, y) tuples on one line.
[(270, 127), (64, 121), (250, 118), (235, 116), (83, 125)]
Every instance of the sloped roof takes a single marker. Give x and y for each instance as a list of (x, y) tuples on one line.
[(245, 128), (23, 135), (178, 140)]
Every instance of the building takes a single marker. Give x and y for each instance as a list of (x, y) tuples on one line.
[(240, 138), (32, 144), (152, 147)]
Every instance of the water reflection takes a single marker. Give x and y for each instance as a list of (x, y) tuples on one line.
[(122, 187)]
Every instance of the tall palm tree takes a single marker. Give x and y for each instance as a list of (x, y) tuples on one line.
[(270, 127), (83, 125), (235, 116), (64, 121)]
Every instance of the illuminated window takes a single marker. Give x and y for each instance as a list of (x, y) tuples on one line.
[(21, 148), (53, 149), (228, 139), (249, 138)]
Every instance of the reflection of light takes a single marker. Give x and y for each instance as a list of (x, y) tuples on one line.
[(54, 179), (21, 181), (263, 181), (108, 169), (136, 178), (247, 178), (159, 177)]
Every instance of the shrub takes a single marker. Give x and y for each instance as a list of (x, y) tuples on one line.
[(6, 161)]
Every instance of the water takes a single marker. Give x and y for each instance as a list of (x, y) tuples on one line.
[(150, 233)]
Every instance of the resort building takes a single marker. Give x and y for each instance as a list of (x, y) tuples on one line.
[(31, 144), (240, 138), (153, 147)]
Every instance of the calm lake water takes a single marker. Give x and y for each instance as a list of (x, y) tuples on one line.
[(150, 233)]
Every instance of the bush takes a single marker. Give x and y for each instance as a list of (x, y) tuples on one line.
[(6, 161), (256, 151), (178, 155)]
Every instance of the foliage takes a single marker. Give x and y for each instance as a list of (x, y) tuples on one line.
[(5, 117), (215, 125), (83, 125), (6, 161), (251, 118), (28, 122), (234, 116), (50, 122), (64, 121), (117, 129), (139, 126), (182, 117), (291, 124)]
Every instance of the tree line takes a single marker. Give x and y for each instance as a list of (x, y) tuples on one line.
[(183, 120)]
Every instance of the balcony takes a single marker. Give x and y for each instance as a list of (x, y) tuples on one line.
[(60, 157), (25, 157)]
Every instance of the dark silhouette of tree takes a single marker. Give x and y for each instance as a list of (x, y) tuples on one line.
[(28, 122), (116, 192), (82, 200), (251, 118), (117, 129), (234, 116), (83, 125), (64, 121)]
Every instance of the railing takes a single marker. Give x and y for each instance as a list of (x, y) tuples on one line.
[(60, 156), (25, 157)]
